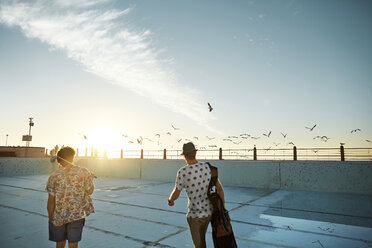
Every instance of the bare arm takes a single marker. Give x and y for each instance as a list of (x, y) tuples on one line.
[(220, 191), (89, 184), (51, 205), (174, 196), (90, 191)]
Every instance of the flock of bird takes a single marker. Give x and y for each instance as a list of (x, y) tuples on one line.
[(232, 138)]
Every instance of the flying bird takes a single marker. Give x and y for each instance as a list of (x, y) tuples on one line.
[(210, 138), (267, 135), (284, 135), (212, 146), (245, 134), (355, 130), (168, 133), (255, 137), (317, 137), (311, 128), (244, 137), (188, 140), (179, 140), (291, 143), (267, 149), (85, 137), (149, 139), (369, 141), (130, 142), (210, 107), (124, 136), (226, 140), (157, 135), (342, 144), (237, 143), (175, 128), (197, 138), (325, 138), (232, 137), (139, 140), (276, 144)]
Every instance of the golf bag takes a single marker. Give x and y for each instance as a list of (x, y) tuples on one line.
[(222, 233)]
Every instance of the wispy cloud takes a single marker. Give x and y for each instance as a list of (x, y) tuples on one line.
[(107, 47)]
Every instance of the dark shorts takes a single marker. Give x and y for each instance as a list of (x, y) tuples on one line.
[(71, 231)]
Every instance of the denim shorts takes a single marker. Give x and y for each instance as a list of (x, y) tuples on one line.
[(71, 231)]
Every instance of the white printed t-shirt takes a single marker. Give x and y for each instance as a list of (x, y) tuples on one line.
[(195, 179)]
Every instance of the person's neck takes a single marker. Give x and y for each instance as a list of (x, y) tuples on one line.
[(192, 161), (67, 166)]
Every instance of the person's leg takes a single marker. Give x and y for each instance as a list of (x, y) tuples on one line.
[(198, 228), (203, 229), (58, 234), (194, 231), (61, 244), (73, 244), (74, 232)]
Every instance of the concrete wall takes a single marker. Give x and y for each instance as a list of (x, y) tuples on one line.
[(343, 177), (257, 174), (351, 177), (22, 151), (26, 166)]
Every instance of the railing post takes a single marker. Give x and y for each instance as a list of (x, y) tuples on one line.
[(295, 153), (121, 154), (141, 153), (77, 152), (165, 154), (342, 151), (92, 153), (220, 154), (86, 152), (254, 153)]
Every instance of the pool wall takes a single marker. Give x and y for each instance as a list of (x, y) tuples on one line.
[(325, 176)]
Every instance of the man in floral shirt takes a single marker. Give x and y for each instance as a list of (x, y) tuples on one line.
[(69, 202)]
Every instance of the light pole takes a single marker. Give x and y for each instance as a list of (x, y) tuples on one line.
[(28, 138), (6, 141), (31, 124)]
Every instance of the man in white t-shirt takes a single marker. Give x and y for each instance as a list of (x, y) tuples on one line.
[(194, 178)]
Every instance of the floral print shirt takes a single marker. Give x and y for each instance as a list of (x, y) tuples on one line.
[(70, 186)]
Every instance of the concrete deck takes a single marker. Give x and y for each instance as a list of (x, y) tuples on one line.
[(134, 213)]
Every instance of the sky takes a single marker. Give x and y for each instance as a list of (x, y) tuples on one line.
[(106, 68)]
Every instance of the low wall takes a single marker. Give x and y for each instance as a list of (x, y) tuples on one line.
[(326, 176), (351, 177), (23, 151), (26, 166)]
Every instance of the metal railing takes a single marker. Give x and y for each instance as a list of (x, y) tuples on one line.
[(323, 154)]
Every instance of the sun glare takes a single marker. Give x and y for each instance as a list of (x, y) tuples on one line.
[(103, 138)]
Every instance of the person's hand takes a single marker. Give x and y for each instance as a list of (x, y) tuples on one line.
[(170, 203)]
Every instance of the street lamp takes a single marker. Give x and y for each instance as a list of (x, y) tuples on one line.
[(31, 124), (6, 141), (28, 138)]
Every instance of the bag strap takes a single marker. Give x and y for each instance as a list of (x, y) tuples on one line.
[(214, 178)]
